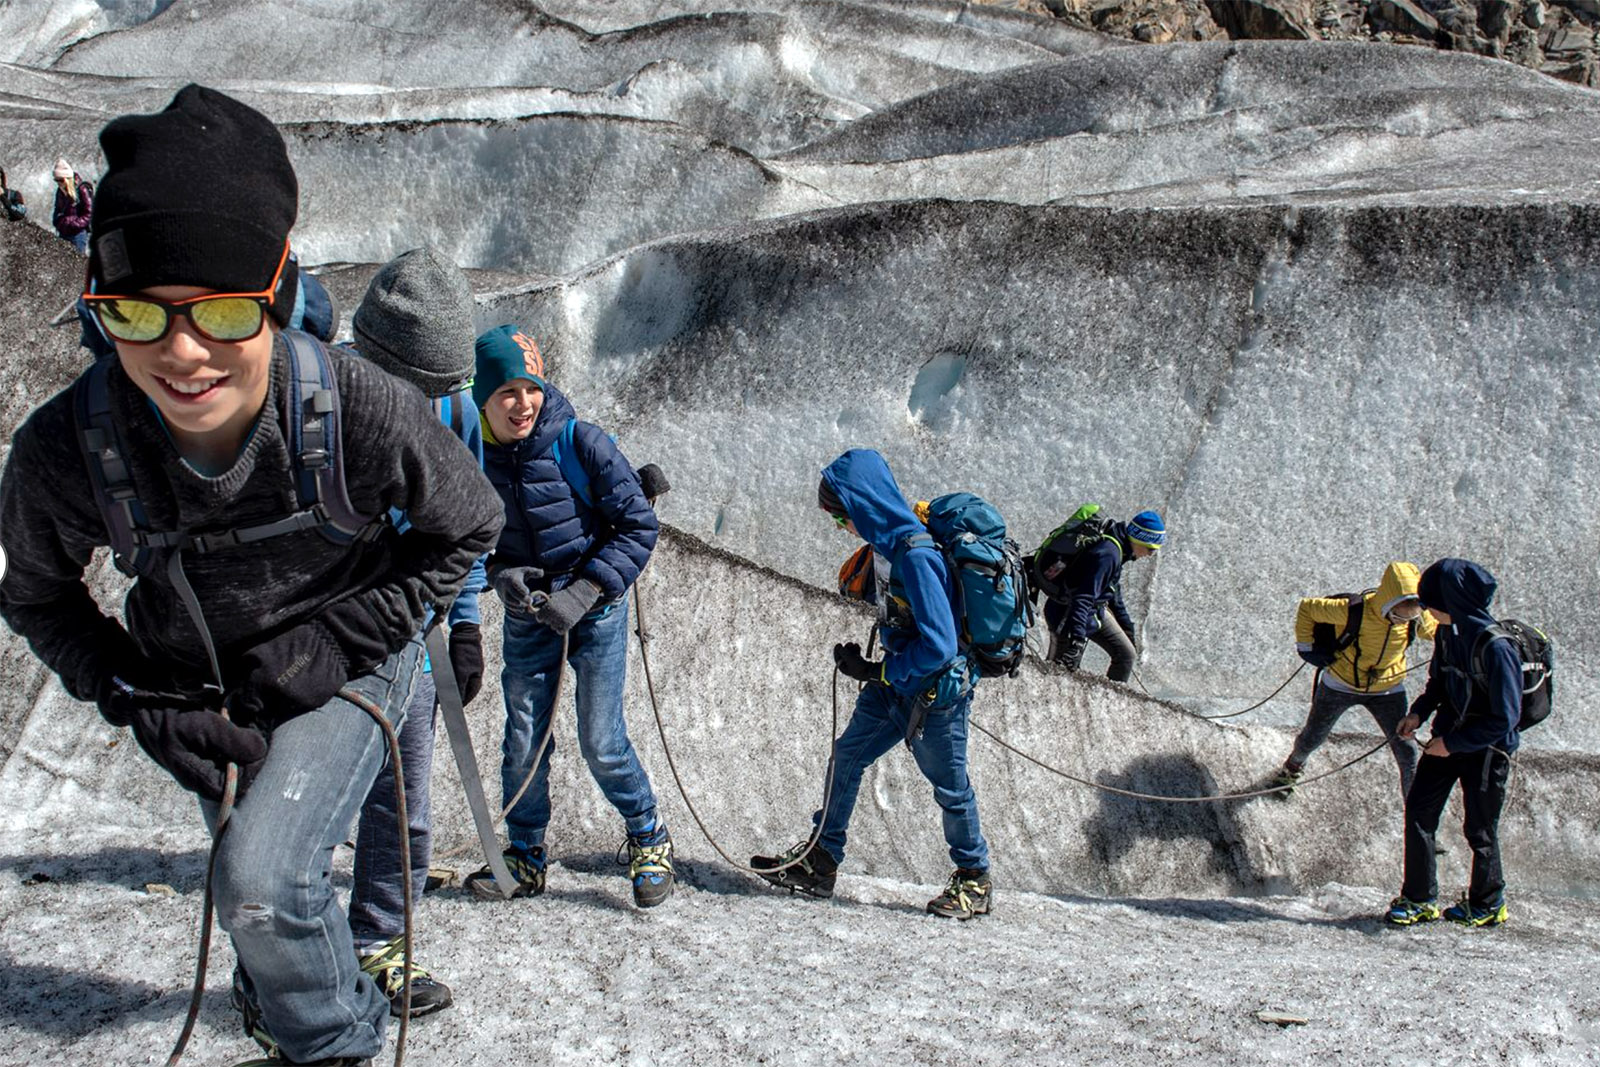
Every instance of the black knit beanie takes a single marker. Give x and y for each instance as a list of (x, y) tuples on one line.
[(199, 194)]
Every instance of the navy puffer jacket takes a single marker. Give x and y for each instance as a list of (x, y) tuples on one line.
[(547, 526)]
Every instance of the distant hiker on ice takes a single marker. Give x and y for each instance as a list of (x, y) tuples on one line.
[(74, 206), (1079, 570), (578, 532), (11, 201), (416, 323), (269, 583), (922, 679), (1475, 694), (1358, 644)]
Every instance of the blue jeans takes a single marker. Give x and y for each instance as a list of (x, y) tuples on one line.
[(878, 724), (273, 885), (598, 655), (377, 905)]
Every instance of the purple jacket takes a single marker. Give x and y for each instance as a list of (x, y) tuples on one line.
[(71, 215)]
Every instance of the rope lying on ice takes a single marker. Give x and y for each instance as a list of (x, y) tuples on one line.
[(672, 764)]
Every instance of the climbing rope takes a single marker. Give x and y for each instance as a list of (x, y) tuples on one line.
[(1131, 794), (1262, 702), (225, 807), (672, 763)]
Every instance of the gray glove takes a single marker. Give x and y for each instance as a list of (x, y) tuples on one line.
[(564, 608), (515, 586)]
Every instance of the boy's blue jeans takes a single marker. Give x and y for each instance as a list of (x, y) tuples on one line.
[(598, 656), (878, 724), (272, 882)]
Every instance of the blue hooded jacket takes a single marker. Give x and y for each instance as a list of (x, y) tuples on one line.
[(547, 526), (919, 653), (1471, 718)]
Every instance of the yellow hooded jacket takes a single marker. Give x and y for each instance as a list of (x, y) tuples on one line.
[(1376, 659)]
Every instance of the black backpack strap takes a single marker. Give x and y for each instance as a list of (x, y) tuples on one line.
[(312, 423), (105, 456)]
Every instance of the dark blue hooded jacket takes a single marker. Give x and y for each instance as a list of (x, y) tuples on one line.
[(547, 526), (916, 654), (1471, 717), (1095, 578)]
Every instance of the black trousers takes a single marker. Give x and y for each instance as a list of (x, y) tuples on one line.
[(1483, 777), (1109, 636)]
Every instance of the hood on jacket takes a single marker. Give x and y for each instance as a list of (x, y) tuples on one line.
[(872, 499), (1463, 590), (1399, 583), (554, 414)]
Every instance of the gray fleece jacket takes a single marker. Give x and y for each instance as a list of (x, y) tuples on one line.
[(396, 455)]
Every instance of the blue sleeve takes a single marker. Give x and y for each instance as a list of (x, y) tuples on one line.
[(1089, 589), (908, 666), (1428, 700), (465, 608), (631, 524), (1503, 670)]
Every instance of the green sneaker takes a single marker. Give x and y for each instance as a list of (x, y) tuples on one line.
[(1403, 912), (525, 865), (650, 866), (967, 895), (387, 967), (1464, 913)]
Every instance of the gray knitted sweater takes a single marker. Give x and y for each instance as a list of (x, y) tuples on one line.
[(397, 455)]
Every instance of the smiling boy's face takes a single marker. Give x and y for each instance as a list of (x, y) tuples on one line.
[(202, 388), (513, 409)]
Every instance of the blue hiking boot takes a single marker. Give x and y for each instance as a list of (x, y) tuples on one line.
[(650, 866), (525, 865), (1465, 913), (1403, 912)]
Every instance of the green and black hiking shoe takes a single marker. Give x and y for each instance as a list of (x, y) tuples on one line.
[(525, 865), (250, 1018), (274, 1061), (1403, 912), (1286, 780), (812, 875), (1465, 913), (387, 967), (650, 866), (967, 895)]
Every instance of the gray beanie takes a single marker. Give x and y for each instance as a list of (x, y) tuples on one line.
[(416, 321)]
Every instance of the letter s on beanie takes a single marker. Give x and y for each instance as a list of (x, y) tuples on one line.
[(1147, 529)]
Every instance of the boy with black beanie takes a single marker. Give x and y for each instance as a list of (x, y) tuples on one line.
[(300, 630)]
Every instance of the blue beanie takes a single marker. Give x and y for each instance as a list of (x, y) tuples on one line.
[(1147, 529), (504, 353)]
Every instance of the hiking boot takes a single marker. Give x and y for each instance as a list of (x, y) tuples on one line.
[(1464, 913), (813, 875), (1403, 912), (250, 1018), (387, 966), (1286, 780), (274, 1061), (525, 865), (650, 866), (967, 895)]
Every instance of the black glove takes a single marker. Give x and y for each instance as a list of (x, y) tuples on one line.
[(565, 607), (120, 699), (195, 747), (1070, 654), (466, 659), (515, 586), (653, 482), (296, 671), (852, 664), (1317, 657)]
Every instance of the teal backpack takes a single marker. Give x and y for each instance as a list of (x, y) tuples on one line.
[(994, 610)]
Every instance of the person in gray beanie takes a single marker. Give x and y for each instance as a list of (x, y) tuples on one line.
[(416, 323)]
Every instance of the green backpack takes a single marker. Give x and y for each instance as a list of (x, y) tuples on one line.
[(1084, 528)]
